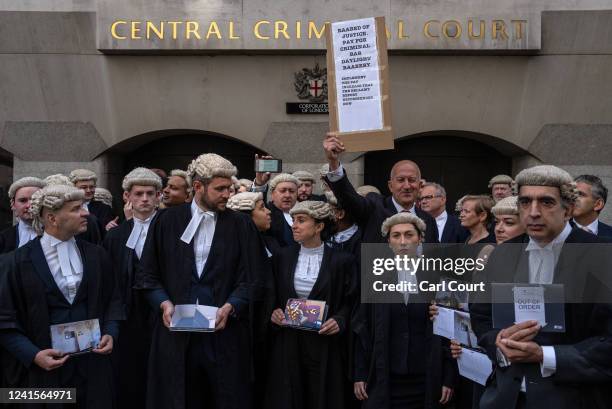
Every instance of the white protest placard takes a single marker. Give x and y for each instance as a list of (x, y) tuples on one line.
[(358, 80), (474, 365), (529, 305)]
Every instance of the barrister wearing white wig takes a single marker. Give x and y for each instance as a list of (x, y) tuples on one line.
[(53, 198), (252, 203), (281, 178), (80, 175), (210, 165), (507, 222), (104, 196), (58, 179), (27, 181), (141, 177), (501, 186), (548, 175), (403, 218), (20, 195)]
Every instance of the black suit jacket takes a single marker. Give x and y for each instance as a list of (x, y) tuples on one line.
[(604, 230), (453, 231), (8, 239), (583, 352), (103, 212), (371, 211)]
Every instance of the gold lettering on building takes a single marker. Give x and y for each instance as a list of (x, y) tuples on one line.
[(136, 30), (280, 27), (174, 25), (481, 31), (313, 31), (400, 30), (451, 29), (256, 30), (474, 29), (427, 29), (114, 30), (518, 28), (213, 29), (192, 28), (152, 28), (499, 30)]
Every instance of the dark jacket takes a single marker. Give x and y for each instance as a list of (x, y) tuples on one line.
[(335, 286), (26, 289), (371, 211), (453, 231), (583, 352), (167, 270)]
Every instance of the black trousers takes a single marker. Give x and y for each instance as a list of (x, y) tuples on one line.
[(208, 380), (310, 368), (407, 391)]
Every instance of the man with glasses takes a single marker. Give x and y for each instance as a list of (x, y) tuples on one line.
[(433, 201), (592, 197)]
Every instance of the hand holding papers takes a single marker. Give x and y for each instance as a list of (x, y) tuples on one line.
[(193, 318), (516, 303), (454, 324)]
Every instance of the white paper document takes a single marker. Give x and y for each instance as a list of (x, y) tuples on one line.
[(357, 75), (475, 366), (444, 324), (193, 318), (454, 324), (529, 305)]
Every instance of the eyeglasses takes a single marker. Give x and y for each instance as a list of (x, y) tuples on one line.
[(429, 197)]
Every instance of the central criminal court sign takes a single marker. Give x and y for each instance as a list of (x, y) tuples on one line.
[(249, 25)]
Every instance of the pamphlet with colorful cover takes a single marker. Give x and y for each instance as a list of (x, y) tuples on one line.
[(75, 338), (305, 314)]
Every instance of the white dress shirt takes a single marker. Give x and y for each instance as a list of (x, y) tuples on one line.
[(591, 228), (307, 270), (336, 175), (65, 264), (441, 222), (407, 276), (138, 235), (26, 233), (288, 218), (201, 229), (542, 262), (85, 205), (401, 209)]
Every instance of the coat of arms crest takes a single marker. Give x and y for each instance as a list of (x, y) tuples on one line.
[(311, 84)]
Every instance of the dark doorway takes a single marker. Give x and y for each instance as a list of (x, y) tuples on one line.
[(461, 165), (178, 150)]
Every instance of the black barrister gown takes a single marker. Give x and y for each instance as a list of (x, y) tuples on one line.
[(336, 286), (131, 352), (25, 285), (169, 264), (262, 305), (376, 348)]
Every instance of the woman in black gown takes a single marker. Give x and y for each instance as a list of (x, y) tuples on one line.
[(308, 368)]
